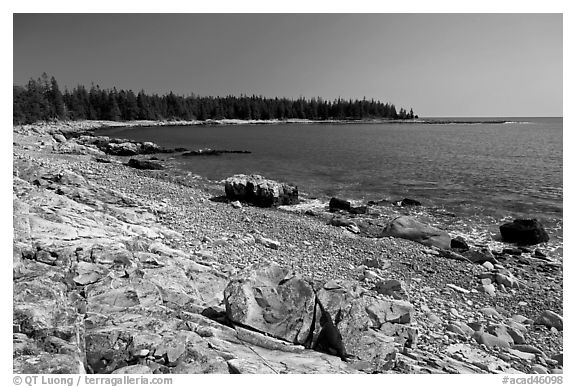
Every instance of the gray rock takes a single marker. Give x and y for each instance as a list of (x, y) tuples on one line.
[(550, 319), (274, 300), (538, 369), (392, 288), (490, 340), (134, 369), (527, 348), (122, 149), (480, 256), (408, 228), (260, 191), (356, 316), (376, 262), (59, 138), (270, 243)]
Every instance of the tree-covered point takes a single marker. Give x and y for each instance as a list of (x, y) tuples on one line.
[(42, 100)]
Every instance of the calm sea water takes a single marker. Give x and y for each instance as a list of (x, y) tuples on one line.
[(484, 171)]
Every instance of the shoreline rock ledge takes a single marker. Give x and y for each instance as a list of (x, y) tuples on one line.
[(258, 190)]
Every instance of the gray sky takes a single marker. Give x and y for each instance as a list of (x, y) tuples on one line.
[(439, 64)]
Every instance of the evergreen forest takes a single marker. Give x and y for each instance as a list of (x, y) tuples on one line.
[(42, 100)]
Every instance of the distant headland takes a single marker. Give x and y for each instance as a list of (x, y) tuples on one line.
[(42, 100)]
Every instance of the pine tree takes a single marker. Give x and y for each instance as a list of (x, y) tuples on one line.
[(56, 100)]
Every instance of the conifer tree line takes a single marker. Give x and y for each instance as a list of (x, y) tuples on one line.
[(42, 100)]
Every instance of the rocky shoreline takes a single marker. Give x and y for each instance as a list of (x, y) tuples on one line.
[(127, 270)]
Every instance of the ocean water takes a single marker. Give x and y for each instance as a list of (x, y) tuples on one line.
[(482, 173)]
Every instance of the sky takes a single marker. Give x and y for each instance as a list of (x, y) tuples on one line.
[(441, 65)]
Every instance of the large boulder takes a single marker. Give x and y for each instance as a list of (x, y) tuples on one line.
[(273, 300), (260, 191), (362, 323), (409, 228), (524, 232)]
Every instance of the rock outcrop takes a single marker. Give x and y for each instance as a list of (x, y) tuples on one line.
[(260, 191)]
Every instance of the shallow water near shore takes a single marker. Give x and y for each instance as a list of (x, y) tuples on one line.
[(482, 173)]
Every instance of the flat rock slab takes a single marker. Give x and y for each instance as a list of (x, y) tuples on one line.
[(409, 228), (271, 299)]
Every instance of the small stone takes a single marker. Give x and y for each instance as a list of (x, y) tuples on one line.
[(488, 265), (456, 329), (271, 244), (490, 340), (490, 312), (391, 288), (376, 262), (236, 204), (551, 362), (520, 319), (141, 352), (539, 369), (458, 288), (490, 289), (522, 355), (527, 348)]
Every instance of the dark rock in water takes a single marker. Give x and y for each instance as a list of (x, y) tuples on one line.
[(408, 228), (524, 232), (459, 243), (408, 202), (260, 191), (339, 204), (144, 164)]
